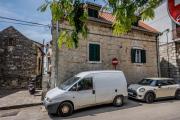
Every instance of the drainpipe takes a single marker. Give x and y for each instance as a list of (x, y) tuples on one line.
[(157, 54), (167, 31), (42, 59), (57, 54)]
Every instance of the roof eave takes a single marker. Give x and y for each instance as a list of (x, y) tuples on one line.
[(110, 25)]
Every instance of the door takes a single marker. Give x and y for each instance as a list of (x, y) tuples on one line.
[(84, 95), (172, 87), (163, 89), (106, 87)]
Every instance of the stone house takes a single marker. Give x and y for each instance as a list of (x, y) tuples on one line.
[(136, 50), (21, 59), (169, 41)]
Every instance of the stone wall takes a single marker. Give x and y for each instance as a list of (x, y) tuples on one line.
[(170, 68), (73, 61), (19, 59)]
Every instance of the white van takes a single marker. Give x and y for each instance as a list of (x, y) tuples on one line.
[(87, 89)]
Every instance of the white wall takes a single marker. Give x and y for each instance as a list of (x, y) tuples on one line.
[(161, 22)]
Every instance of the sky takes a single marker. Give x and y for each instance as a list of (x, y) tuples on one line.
[(27, 10)]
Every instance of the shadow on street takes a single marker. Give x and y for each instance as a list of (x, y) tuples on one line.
[(92, 111), (6, 92)]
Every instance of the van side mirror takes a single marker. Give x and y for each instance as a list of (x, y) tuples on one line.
[(78, 87), (74, 88)]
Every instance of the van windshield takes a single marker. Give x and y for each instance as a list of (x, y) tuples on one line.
[(68, 83)]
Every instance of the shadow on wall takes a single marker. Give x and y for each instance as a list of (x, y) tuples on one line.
[(76, 68), (168, 70)]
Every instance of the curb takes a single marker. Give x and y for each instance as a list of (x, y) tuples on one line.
[(20, 106)]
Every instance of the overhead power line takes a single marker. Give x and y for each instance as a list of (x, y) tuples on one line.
[(23, 22)]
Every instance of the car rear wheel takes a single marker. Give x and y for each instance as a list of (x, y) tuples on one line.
[(149, 98), (65, 109), (118, 101), (178, 94)]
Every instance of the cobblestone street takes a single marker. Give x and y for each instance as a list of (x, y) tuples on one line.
[(134, 110)]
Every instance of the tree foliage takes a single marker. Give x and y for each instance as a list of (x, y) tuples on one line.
[(74, 13), (126, 12)]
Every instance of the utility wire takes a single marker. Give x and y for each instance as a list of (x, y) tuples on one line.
[(28, 22), (23, 24)]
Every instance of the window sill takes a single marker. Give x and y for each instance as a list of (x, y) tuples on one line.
[(139, 64), (94, 62)]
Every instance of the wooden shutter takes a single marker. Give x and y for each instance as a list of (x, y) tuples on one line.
[(91, 52), (143, 56), (97, 52), (133, 55), (94, 52)]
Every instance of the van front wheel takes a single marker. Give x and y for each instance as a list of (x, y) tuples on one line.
[(118, 101), (65, 109)]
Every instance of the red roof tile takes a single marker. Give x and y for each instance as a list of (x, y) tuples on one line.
[(109, 17), (147, 27)]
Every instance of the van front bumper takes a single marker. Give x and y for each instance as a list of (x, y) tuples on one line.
[(51, 107)]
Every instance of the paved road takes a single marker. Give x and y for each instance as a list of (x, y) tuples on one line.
[(161, 110)]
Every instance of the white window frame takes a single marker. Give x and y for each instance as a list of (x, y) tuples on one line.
[(138, 56), (138, 61), (88, 52)]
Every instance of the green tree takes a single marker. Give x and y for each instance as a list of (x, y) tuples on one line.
[(126, 12)]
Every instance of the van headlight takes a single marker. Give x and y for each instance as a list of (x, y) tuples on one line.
[(141, 89), (48, 99)]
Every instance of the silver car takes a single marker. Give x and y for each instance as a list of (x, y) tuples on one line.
[(150, 89)]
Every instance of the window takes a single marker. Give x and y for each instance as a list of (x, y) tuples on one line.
[(171, 82), (10, 41), (94, 52), (85, 84), (166, 82), (93, 13), (138, 56), (39, 64), (65, 85), (162, 82), (148, 82)]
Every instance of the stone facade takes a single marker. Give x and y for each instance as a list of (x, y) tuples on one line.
[(170, 60), (67, 62), (73, 61), (20, 59)]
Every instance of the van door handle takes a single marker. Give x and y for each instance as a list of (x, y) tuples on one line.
[(93, 91)]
